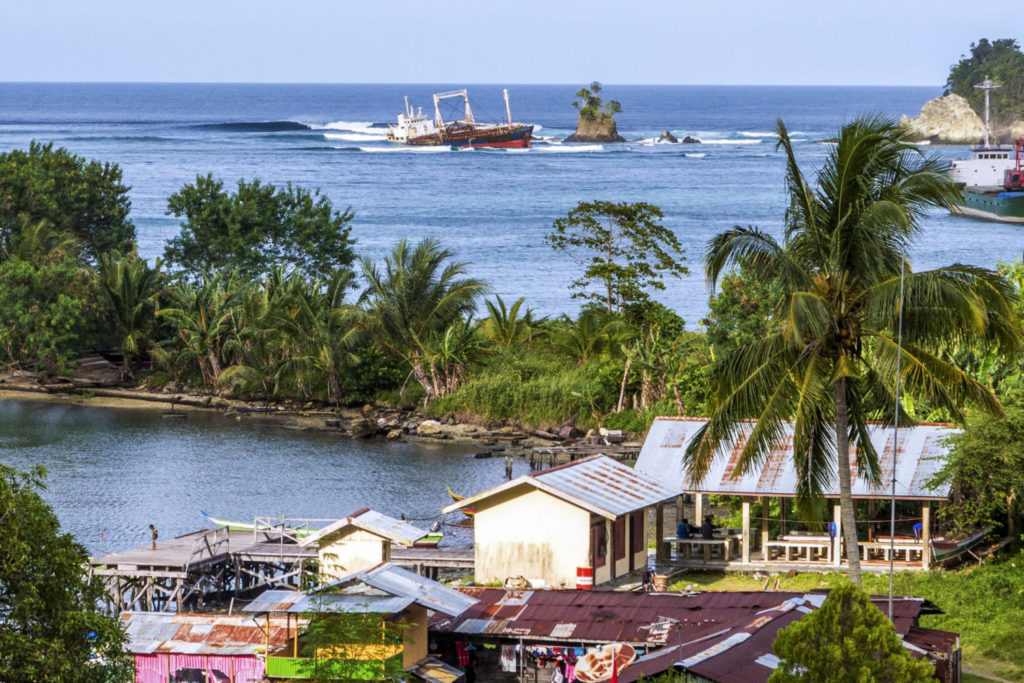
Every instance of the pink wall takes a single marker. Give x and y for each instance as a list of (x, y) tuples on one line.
[(159, 668)]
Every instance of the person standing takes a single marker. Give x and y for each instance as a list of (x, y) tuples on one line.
[(153, 531)]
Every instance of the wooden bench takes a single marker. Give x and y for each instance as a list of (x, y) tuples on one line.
[(685, 544), (799, 544), (907, 547)]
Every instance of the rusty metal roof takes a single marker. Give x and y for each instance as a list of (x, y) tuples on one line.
[(374, 522), (384, 589), (599, 484), (919, 455), (742, 652), (604, 617), (202, 634)]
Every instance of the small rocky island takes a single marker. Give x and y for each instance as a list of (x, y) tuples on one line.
[(596, 121), (957, 117)]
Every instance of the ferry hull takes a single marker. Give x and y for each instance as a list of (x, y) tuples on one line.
[(514, 137), (1005, 207)]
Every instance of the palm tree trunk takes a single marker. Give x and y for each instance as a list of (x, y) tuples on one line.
[(847, 513), (622, 389)]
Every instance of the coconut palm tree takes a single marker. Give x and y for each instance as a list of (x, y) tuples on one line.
[(832, 365), (203, 315), (505, 326), (416, 297), (129, 290)]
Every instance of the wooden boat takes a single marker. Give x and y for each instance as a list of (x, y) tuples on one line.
[(456, 497), (947, 550), (433, 537)]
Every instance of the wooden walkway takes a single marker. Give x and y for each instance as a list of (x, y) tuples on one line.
[(207, 565)]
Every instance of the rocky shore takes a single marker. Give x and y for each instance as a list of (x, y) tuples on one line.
[(377, 421), (600, 128), (950, 120)]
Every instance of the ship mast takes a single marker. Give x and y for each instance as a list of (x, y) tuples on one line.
[(508, 110), (987, 85)]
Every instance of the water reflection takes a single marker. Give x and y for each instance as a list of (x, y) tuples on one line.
[(113, 472)]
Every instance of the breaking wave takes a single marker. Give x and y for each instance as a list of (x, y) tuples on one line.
[(354, 137), (731, 142), (367, 127), (407, 149), (694, 155), (569, 148)]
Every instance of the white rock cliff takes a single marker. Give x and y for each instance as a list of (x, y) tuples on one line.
[(947, 120)]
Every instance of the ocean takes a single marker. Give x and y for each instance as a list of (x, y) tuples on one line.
[(492, 207)]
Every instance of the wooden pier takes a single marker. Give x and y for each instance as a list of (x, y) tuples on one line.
[(207, 568)]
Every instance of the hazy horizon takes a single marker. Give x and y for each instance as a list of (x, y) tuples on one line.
[(534, 42)]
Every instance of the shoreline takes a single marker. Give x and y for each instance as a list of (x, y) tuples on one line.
[(368, 422)]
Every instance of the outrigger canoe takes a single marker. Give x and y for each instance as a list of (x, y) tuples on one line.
[(456, 497), (431, 540)]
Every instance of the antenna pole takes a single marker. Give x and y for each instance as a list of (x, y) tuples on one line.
[(896, 431)]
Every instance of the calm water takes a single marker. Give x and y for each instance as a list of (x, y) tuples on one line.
[(493, 207), (116, 471)]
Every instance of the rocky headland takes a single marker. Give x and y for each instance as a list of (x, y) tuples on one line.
[(950, 120)]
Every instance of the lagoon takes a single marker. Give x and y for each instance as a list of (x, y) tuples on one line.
[(112, 472)]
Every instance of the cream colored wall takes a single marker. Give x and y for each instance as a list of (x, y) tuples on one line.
[(416, 637), (640, 558), (351, 551), (526, 532), (604, 573)]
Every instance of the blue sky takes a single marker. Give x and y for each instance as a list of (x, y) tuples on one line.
[(457, 41)]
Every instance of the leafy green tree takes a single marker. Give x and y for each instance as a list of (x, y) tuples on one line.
[(40, 240), (831, 365), (85, 198), (985, 468), (51, 629), (625, 251), (412, 303), (47, 312), (256, 228), (202, 316), (1003, 62), (593, 335), (741, 312), (847, 639), (129, 290), (590, 106)]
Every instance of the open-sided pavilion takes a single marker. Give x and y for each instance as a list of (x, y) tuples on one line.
[(917, 456)]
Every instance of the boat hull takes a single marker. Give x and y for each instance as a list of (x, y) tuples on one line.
[(514, 137), (1005, 207)]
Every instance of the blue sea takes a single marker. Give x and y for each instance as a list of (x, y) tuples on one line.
[(493, 207)]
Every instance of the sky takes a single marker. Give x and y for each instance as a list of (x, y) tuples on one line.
[(728, 42)]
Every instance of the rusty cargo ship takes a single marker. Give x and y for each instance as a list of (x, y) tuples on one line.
[(417, 128)]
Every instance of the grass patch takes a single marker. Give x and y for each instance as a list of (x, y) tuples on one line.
[(983, 604)]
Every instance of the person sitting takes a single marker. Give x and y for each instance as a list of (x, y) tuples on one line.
[(684, 529), (707, 529)]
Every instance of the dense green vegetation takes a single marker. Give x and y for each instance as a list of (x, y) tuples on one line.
[(590, 106), (51, 627), (831, 360), (1003, 62)]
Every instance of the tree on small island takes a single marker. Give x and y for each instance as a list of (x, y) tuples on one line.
[(1003, 62), (596, 121)]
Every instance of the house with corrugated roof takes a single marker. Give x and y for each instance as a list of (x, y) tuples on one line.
[(361, 540), (912, 456), (394, 604), (584, 522)]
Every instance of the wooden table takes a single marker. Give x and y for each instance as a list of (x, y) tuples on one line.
[(685, 544)]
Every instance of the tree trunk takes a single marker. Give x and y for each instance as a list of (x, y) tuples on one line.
[(680, 408), (421, 376), (622, 389), (847, 512)]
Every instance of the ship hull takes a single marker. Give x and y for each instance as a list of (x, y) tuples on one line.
[(514, 137), (1005, 207)]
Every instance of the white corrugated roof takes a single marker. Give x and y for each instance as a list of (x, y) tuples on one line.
[(374, 522), (397, 588), (920, 454), (598, 483)]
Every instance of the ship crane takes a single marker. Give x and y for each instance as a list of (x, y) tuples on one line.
[(438, 121)]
